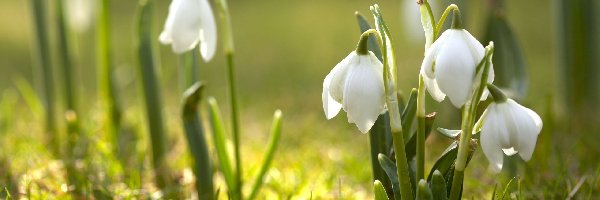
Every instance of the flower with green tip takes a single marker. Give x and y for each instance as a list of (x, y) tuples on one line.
[(508, 128), (449, 66), (189, 23), (356, 85)]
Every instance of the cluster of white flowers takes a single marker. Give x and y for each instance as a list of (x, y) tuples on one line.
[(448, 69)]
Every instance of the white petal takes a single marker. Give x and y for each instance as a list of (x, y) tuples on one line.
[(510, 151), (527, 127), (364, 97), (338, 79), (433, 88), (454, 70), (428, 65), (330, 106), (491, 136), (208, 31), (165, 36), (185, 30)]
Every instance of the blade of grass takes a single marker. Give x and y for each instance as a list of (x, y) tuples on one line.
[(147, 65), (219, 140), (268, 158), (197, 143), (380, 193)]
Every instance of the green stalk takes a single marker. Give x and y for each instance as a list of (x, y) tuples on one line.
[(106, 85), (421, 129), (197, 143), (147, 65), (45, 63), (188, 68), (395, 119), (71, 117), (440, 24), (65, 57), (469, 112), (268, 158), (229, 52)]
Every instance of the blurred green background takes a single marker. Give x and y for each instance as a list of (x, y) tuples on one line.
[(284, 49)]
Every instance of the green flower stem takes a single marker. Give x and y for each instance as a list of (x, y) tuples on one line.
[(197, 143), (361, 47), (229, 53), (396, 126), (469, 112), (147, 66), (440, 23), (46, 64), (421, 129), (65, 55), (188, 68), (107, 90)]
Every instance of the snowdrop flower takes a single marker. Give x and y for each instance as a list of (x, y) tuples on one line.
[(81, 14), (508, 127), (190, 22), (448, 68), (356, 85)]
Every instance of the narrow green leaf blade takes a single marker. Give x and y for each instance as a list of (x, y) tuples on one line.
[(380, 193), (268, 158), (450, 134), (194, 133), (220, 142), (391, 170), (438, 186), (423, 191), (428, 23)]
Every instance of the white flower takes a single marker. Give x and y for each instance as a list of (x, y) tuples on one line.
[(449, 66), (355, 84), (510, 128), (190, 22), (80, 13)]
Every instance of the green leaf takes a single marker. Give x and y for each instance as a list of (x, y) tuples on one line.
[(445, 164), (408, 115), (219, 141), (507, 187), (268, 158), (411, 144), (450, 134), (423, 191), (428, 22), (391, 170), (380, 193), (194, 133), (150, 86), (438, 186)]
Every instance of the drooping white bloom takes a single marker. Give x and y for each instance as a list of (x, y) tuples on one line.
[(510, 128), (190, 22), (448, 68), (356, 85)]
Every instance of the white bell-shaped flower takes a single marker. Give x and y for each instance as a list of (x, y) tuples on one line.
[(356, 85), (448, 68), (188, 23), (510, 128)]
